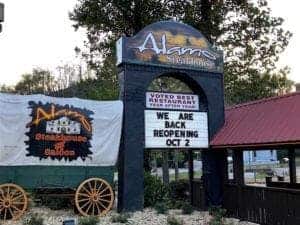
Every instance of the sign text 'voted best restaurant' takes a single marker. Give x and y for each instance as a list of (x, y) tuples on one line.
[(175, 129), (178, 101)]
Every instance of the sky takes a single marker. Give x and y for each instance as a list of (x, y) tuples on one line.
[(38, 33)]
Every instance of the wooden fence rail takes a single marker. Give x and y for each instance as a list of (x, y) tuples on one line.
[(263, 205)]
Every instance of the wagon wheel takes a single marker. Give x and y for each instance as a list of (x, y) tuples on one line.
[(13, 201), (94, 197)]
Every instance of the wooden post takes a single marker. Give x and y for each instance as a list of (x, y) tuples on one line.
[(225, 163), (147, 161), (165, 167), (238, 167), (191, 173), (292, 166), (176, 164)]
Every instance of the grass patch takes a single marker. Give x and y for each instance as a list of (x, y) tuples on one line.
[(34, 219), (185, 175), (120, 218), (187, 208), (171, 220), (89, 220), (161, 207), (217, 216)]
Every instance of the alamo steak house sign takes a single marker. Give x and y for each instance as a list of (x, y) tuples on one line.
[(164, 44), (59, 132)]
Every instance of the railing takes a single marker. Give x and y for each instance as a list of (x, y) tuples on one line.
[(277, 184), (263, 205)]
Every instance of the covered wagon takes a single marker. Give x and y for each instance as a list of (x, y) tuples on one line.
[(58, 143)]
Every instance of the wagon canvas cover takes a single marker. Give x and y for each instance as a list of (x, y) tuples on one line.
[(42, 130)]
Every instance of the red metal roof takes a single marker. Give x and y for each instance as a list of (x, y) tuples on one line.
[(266, 122)]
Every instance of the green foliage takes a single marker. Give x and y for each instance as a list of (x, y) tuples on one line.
[(154, 190), (179, 190), (283, 153), (89, 220), (6, 89), (252, 41), (161, 207), (171, 220), (251, 38), (169, 84), (217, 216), (56, 203), (106, 21), (187, 208), (34, 219), (70, 83), (255, 86), (46, 198), (175, 204), (39, 81), (163, 197), (120, 218), (92, 89)]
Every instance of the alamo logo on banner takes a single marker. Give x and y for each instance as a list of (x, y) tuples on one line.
[(59, 132), (176, 129), (172, 101)]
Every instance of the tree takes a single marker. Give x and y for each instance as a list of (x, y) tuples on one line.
[(247, 33), (68, 80), (6, 88), (39, 81), (106, 21)]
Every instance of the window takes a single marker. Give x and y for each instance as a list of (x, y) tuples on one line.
[(230, 165), (264, 166), (197, 160), (297, 153)]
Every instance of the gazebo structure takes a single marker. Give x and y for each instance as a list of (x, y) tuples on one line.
[(271, 123)]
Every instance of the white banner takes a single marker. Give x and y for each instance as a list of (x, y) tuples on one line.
[(42, 130), (175, 129), (160, 100)]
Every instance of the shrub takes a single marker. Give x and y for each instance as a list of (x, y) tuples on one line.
[(34, 219), (53, 202), (56, 203), (179, 190), (175, 204), (161, 207), (217, 216), (120, 218), (171, 220), (89, 220), (187, 208), (154, 191)]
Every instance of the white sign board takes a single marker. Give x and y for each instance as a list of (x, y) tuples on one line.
[(175, 129), (172, 101)]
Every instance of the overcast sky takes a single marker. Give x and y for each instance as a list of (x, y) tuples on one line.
[(38, 33)]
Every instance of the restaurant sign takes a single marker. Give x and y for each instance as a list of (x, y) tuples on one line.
[(176, 101), (43, 130), (175, 129), (170, 43)]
